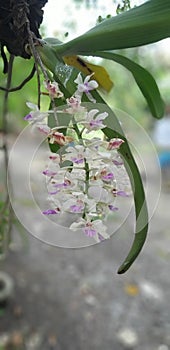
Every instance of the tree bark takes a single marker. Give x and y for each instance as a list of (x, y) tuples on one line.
[(14, 17)]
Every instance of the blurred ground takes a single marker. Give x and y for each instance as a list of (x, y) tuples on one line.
[(73, 299)]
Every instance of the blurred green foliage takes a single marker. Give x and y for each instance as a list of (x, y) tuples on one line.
[(122, 5), (17, 100)]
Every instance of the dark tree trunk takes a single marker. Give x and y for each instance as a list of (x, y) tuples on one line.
[(14, 15)]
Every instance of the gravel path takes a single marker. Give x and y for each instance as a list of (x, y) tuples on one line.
[(73, 299)]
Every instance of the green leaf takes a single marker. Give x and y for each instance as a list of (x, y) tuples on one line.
[(141, 25), (141, 211), (144, 80)]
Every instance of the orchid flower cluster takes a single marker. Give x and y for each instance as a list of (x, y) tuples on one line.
[(80, 176)]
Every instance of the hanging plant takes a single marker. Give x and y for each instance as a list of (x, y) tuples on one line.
[(81, 175)]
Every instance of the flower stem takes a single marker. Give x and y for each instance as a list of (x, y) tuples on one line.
[(86, 165)]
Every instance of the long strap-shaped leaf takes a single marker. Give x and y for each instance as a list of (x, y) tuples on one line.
[(144, 80), (141, 25), (113, 129), (139, 200)]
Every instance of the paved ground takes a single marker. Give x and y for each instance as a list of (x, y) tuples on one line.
[(73, 299)]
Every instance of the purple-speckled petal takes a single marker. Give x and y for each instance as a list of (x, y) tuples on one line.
[(49, 212)]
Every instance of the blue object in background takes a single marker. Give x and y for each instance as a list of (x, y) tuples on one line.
[(164, 159)]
